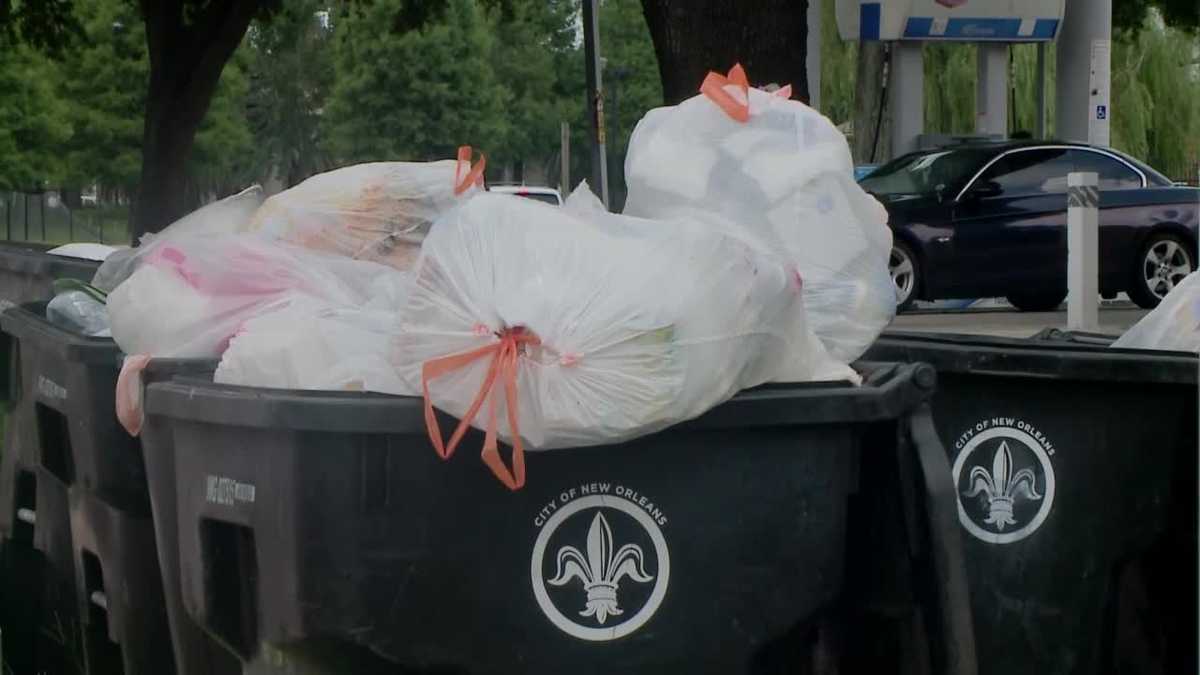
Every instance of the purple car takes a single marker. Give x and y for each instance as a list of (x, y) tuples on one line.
[(990, 220)]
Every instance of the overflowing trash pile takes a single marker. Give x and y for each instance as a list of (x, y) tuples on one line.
[(747, 254), (1172, 326)]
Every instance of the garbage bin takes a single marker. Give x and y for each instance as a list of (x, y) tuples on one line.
[(68, 383), (27, 271), (195, 652), (1075, 467), (323, 524), (92, 508)]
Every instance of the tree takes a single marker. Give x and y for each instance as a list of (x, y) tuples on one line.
[(631, 82), (291, 73), (33, 121), (413, 91), (693, 37), (531, 37), (102, 87), (1131, 15), (189, 43)]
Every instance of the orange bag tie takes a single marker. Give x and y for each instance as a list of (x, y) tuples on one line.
[(474, 174), (714, 88), (505, 355)]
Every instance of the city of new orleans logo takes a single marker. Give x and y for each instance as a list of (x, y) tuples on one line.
[(1004, 478)]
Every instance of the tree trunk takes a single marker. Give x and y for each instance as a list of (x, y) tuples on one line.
[(691, 37), (872, 131), (186, 60)]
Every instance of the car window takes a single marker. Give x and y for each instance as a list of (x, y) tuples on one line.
[(540, 197), (924, 173), (1112, 174), (1029, 172)]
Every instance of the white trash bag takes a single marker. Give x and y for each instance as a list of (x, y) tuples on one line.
[(311, 345), (1173, 326), (224, 216), (811, 362), (784, 173), (379, 211), (565, 333), (187, 299)]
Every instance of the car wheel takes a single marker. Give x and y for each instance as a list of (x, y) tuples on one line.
[(903, 266), (1165, 261), (1043, 301)]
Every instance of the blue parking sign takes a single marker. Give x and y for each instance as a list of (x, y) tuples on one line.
[(1101, 112)]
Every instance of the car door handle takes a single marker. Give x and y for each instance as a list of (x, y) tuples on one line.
[(942, 240)]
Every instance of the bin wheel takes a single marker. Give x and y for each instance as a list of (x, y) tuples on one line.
[(1043, 301), (1164, 261)]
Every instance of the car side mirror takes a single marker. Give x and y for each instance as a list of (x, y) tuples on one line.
[(985, 189)]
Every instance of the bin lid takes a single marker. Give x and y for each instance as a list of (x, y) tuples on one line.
[(1014, 357), (32, 259), (889, 391)]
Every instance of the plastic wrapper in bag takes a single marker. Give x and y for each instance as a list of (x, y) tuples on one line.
[(311, 345), (225, 216), (784, 174), (379, 211), (1172, 326), (188, 298), (79, 312), (561, 332)]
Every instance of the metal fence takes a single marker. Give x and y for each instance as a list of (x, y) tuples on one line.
[(45, 217)]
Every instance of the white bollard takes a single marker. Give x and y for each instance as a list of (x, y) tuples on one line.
[(1083, 252)]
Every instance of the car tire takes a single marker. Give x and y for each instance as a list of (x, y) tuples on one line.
[(1161, 264), (1043, 301), (905, 271)]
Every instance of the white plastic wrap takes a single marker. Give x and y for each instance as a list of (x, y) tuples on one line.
[(188, 298), (379, 211), (310, 345), (581, 333), (1173, 326), (225, 216), (785, 176)]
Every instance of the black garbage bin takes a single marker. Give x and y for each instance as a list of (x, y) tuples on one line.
[(27, 271), (95, 526), (1075, 467), (322, 524)]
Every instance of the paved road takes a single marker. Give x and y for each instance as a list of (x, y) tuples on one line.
[(1011, 324)]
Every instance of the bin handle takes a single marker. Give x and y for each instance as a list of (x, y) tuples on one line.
[(949, 562), (503, 367)]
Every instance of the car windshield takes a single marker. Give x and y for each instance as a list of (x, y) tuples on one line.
[(924, 173)]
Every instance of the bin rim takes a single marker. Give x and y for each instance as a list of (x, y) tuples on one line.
[(1017, 357), (27, 325), (889, 391), (30, 257)]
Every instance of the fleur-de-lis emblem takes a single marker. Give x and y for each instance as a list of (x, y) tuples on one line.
[(602, 570), (1002, 487)]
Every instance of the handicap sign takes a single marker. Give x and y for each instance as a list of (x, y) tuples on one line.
[(1101, 112)]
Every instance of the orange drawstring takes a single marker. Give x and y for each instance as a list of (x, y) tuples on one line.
[(503, 367)]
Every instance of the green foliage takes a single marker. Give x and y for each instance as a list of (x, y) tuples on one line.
[(33, 120), (104, 90), (290, 67), (631, 80), (49, 26), (839, 60), (415, 94), (950, 71)]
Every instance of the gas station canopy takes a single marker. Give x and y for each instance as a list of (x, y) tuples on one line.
[(956, 20)]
